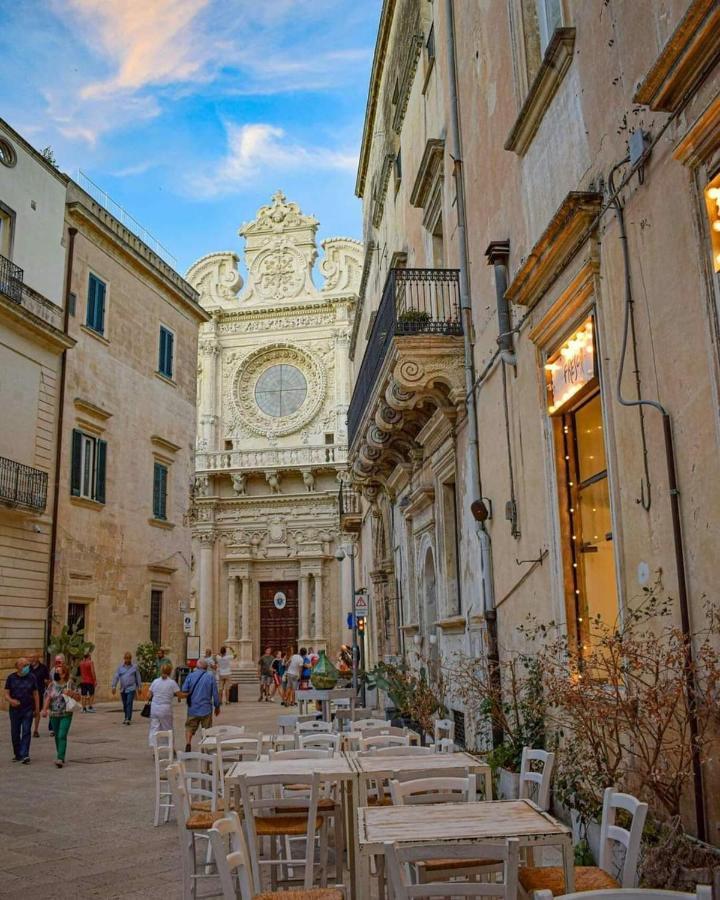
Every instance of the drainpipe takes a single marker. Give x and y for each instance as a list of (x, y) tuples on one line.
[(59, 442), (497, 255), (473, 465)]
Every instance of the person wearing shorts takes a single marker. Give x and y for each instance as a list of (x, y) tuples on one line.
[(294, 673), (200, 690), (265, 671), (88, 680), (224, 671)]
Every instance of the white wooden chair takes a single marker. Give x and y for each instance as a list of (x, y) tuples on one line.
[(313, 726), (234, 865), (200, 775), (443, 729), (602, 877), (381, 741), (164, 756), (269, 813), (402, 863), (235, 749), (302, 753), (192, 825), (445, 745), (363, 724), (222, 730), (321, 741), (535, 786), (433, 790), (703, 892)]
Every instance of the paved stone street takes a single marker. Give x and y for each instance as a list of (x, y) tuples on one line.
[(86, 830)]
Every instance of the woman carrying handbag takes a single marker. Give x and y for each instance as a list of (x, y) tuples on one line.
[(61, 701), (162, 693)]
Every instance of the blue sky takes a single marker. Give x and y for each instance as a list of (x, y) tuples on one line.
[(191, 113)]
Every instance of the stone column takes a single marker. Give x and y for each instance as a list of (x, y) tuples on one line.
[(206, 598), (304, 623), (319, 639), (207, 413), (246, 654)]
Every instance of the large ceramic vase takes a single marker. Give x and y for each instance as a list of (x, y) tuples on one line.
[(324, 674)]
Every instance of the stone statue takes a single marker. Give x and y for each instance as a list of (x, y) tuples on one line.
[(273, 479), (238, 483), (308, 480), (202, 485)]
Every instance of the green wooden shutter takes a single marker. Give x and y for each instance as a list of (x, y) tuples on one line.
[(100, 307), (91, 302), (163, 492), (159, 491), (169, 341), (76, 463), (100, 462), (163, 345)]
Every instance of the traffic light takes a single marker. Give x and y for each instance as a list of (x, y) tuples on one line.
[(361, 624)]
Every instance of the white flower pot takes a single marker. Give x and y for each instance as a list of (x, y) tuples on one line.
[(508, 784)]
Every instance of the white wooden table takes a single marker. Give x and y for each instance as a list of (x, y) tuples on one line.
[(486, 821), (334, 768), (325, 698)]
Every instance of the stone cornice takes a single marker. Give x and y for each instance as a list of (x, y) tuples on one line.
[(39, 329), (384, 29), (558, 244), (91, 409), (681, 66), (82, 210), (555, 64), (162, 443), (307, 307), (432, 159)]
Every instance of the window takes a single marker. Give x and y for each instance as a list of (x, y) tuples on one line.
[(160, 476), (281, 390), (329, 437), (76, 616), (438, 247), (96, 304), (165, 361), (87, 471), (712, 201), (8, 157), (6, 223), (397, 169), (156, 601), (549, 13), (430, 45)]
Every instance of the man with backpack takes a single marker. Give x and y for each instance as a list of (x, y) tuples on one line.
[(200, 690)]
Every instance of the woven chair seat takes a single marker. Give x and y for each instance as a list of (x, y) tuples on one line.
[(273, 825), (324, 805), (317, 894), (203, 821), (552, 878), (204, 805)]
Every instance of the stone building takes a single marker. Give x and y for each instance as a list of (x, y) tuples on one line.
[(122, 566), (540, 183), (274, 388), (32, 344)]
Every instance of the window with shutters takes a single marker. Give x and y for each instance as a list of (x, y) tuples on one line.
[(167, 348), (156, 601), (160, 476), (87, 475), (97, 291)]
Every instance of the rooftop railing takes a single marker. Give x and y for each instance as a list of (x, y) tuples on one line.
[(414, 301)]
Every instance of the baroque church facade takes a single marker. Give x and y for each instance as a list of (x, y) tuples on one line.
[(273, 392)]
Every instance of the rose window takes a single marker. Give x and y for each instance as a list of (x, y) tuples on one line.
[(281, 390)]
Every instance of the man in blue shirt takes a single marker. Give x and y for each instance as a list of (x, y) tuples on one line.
[(128, 677), (22, 696), (200, 689)]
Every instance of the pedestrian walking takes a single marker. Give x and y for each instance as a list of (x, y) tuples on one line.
[(278, 669), (128, 677), (265, 671), (163, 691), (59, 705), (306, 669), (201, 693), (224, 671), (294, 673), (162, 660), (88, 680), (210, 660), (41, 674), (59, 660), (23, 699)]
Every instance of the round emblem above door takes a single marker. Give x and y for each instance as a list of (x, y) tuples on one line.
[(280, 600)]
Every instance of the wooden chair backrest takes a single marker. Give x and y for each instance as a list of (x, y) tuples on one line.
[(405, 750), (380, 741), (629, 839), (319, 741), (300, 754), (314, 725), (433, 790), (529, 778), (232, 857)]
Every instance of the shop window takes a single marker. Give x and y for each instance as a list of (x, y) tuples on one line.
[(589, 558), (712, 201)]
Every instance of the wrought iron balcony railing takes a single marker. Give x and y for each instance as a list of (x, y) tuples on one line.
[(22, 485), (348, 501), (11, 279), (414, 301)]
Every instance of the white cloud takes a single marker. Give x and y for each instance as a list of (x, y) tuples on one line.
[(260, 148)]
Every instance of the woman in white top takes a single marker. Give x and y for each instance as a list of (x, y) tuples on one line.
[(224, 670), (162, 693)]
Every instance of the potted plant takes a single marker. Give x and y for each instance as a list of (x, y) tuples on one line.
[(70, 641), (414, 319), (146, 662)]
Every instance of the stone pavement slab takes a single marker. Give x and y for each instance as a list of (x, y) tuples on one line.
[(86, 830)]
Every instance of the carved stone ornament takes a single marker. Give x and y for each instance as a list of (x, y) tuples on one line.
[(216, 279), (342, 265), (247, 375)]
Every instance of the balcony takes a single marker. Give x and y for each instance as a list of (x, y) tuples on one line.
[(323, 456), (413, 365), (350, 509), (11, 279), (22, 485)]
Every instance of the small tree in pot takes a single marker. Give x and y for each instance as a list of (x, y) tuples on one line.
[(146, 656)]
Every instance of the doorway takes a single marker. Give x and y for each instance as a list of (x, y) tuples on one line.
[(278, 614)]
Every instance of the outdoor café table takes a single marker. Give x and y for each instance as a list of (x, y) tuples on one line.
[(381, 767), (324, 698), (485, 821), (336, 768)]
